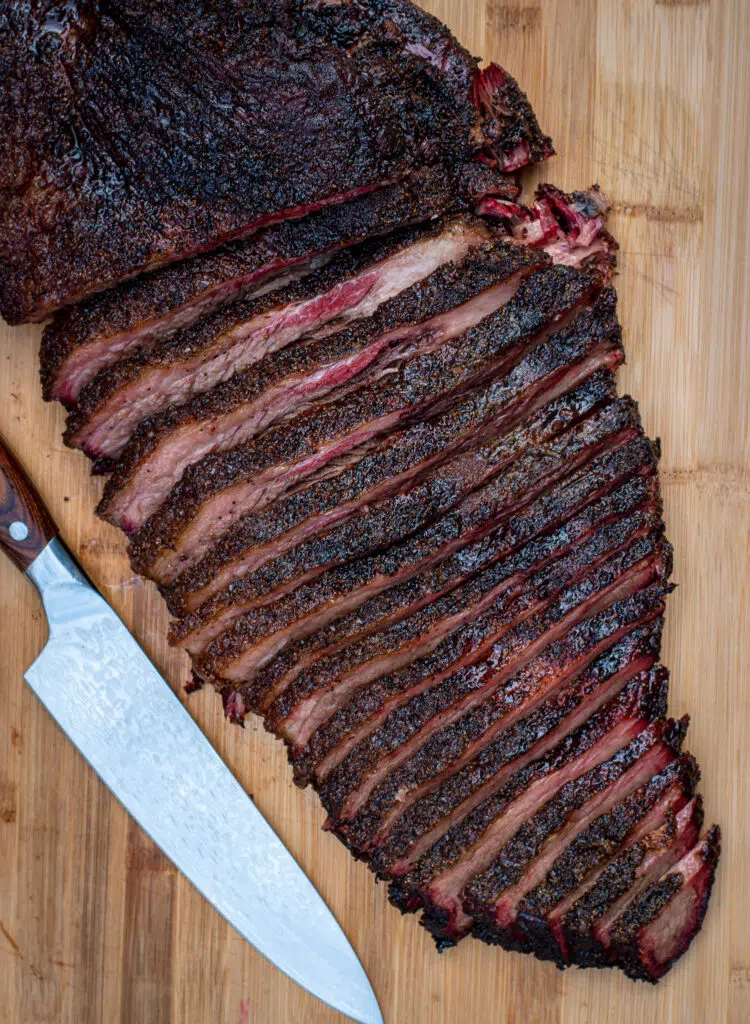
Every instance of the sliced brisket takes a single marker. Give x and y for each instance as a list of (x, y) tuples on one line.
[(214, 492), (350, 287), (548, 371), (613, 737), (84, 339), (527, 476)]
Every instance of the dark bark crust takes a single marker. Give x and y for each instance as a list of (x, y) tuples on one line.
[(120, 126)]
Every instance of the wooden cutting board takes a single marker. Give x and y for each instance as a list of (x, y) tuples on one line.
[(651, 99)]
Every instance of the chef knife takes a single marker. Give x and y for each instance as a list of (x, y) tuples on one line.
[(109, 699)]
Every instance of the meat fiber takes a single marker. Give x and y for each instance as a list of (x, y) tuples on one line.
[(133, 136)]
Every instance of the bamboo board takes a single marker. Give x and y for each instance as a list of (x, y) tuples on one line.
[(651, 99)]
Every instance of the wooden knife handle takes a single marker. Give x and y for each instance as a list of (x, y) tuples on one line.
[(26, 527)]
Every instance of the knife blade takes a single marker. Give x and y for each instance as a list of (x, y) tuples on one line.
[(106, 695)]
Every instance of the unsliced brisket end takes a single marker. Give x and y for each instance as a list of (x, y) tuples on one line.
[(192, 361), (119, 125), (236, 652), (549, 370), (225, 484), (84, 339)]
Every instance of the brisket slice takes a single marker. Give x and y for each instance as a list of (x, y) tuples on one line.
[(540, 843), (236, 653), (414, 631), (471, 741), (614, 736), (553, 695), (119, 127), (535, 573), (563, 927), (84, 339), (351, 286), (594, 496), (417, 568), (227, 484), (549, 370), (628, 875), (659, 927)]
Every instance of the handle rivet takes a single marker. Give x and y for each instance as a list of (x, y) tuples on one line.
[(19, 531)]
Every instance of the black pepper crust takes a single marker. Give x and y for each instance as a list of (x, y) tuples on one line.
[(641, 697), (153, 305), (409, 595), (421, 383), (594, 848), (631, 957), (531, 932), (134, 136), (527, 475), (474, 659), (483, 891), (410, 452), (537, 581), (436, 761), (636, 620)]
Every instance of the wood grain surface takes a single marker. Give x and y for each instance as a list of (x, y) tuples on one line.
[(651, 99)]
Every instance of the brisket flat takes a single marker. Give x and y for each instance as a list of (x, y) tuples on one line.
[(133, 136), (392, 495)]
